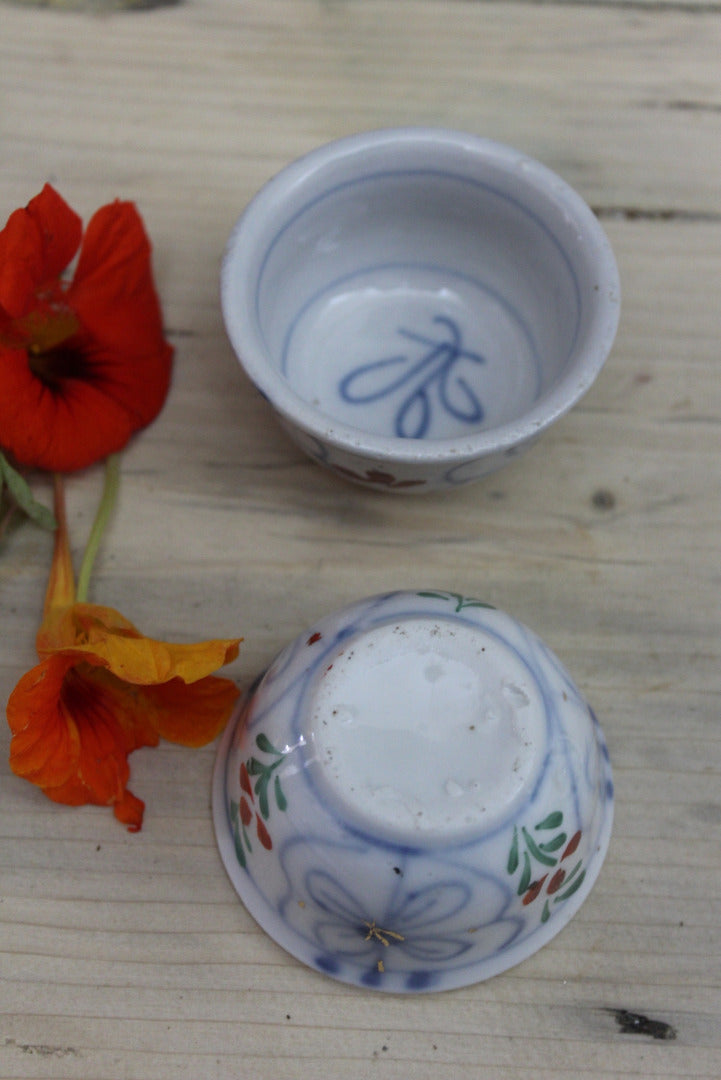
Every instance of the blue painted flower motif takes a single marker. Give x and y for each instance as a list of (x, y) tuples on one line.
[(406, 932), (436, 367), (352, 932)]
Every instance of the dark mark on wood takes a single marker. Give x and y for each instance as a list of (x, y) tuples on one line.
[(98, 7), (666, 214), (631, 1023), (659, 7), (685, 105), (179, 332), (603, 499), (42, 1049)]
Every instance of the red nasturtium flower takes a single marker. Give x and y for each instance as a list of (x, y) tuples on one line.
[(83, 363), (102, 690)]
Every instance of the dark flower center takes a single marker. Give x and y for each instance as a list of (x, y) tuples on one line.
[(56, 365)]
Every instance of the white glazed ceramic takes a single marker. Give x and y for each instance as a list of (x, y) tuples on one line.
[(418, 305), (415, 796)]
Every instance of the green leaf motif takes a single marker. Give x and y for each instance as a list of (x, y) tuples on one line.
[(555, 844), (572, 888), (264, 771), (552, 821), (280, 799), (265, 745), (513, 853), (535, 851), (261, 792), (525, 875), (237, 841), (21, 494)]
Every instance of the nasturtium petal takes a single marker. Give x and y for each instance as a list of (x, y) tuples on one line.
[(192, 714), (36, 246), (101, 635), (45, 745), (84, 364)]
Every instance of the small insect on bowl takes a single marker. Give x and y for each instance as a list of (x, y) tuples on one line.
[(415, 796), (419, 305)]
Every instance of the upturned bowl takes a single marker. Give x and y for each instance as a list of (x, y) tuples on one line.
[(415, 796), (419, 305)]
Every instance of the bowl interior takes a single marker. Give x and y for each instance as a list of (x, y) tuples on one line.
[(416, 289)]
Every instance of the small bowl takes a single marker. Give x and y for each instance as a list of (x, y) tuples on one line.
[(418, 305), (415, 796)]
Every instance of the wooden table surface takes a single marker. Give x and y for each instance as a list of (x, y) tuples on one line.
[(129, 956)]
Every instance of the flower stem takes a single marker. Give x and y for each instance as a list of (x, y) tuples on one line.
[(105, 509), (6, 515), (61, 583)]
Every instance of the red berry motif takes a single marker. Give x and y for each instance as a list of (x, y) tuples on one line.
[(246, 814), (572, 845), (263, 834), (556, 881), (534, 890)]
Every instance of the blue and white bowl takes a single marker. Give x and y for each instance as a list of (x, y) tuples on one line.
[(415, 796), (418, 305)]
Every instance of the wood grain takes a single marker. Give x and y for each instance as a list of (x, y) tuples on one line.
[(129, 956)]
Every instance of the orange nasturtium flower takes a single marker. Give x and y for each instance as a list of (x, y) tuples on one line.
[(83, 363), (102, 690)]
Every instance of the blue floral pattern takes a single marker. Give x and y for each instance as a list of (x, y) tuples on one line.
[(438, 914)]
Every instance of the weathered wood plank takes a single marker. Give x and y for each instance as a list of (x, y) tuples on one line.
[(129, 955)]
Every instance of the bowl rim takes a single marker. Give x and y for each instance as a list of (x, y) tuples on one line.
[(239, 259)]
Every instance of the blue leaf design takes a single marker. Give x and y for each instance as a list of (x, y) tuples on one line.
[(432, 375)]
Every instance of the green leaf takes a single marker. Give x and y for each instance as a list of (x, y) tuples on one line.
[(238, 845), (525, 876), (572, 889), (263, 743), (552, 821), (23, 496), (261, 790), (569, 877), (513, 853), (535, 851), (280, 799), (555, 844), (546, 913), (246, 838)]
